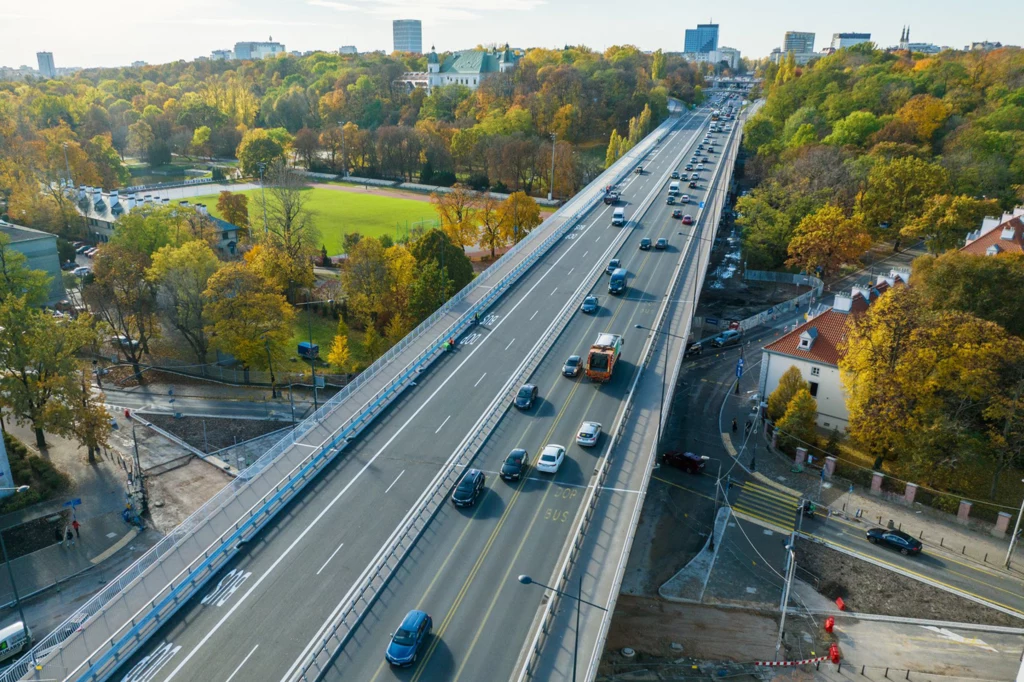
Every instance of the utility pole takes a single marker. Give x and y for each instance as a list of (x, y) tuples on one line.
[(1013, 538), (67, 165), (551, 186), (263, 197), (791, 569), (344, 157), (270, 363)]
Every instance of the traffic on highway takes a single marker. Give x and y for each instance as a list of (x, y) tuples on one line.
[(512, 517)]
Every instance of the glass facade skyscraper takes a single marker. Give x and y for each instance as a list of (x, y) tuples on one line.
[(408, 34), (702, 39)]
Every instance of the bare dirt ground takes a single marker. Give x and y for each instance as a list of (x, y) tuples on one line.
[(870, 589), (217, 433), (175, 494)]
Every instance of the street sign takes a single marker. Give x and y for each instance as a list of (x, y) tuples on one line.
[(701, 205), (739, 369), (73, 503), (713, 321)]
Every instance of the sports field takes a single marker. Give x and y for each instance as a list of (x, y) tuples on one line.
[(339, 212)]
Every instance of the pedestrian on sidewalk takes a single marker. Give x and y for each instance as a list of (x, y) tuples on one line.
[(69, 537), (75, 525), (746, 429), (734, 427)]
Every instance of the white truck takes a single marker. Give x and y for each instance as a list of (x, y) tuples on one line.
[(619, 217), (673, 188)]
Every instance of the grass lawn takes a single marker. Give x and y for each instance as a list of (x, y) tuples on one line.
[(324, 329), (338, 213)]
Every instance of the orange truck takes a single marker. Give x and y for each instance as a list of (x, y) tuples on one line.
[(602, 357)]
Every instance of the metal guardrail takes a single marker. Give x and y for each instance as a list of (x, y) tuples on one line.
[(574, 541), (375, 577), (264, 510)]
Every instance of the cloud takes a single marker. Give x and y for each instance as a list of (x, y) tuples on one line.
[(340, 6)]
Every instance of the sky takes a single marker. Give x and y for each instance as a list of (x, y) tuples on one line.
[(118, 32)]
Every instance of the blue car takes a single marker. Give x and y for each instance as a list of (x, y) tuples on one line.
[(406, 642)]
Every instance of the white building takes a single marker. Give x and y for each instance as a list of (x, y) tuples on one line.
[(46, 68), (467, 68), (841, 40), (815, 348), (348, 49), (257, 50), (222, 55)]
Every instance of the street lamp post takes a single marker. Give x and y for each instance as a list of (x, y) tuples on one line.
[(270, 364), (551, 186), (263, 196), (344, 158), (785, 598), (10, 571), (312, 360), (527, 580), (1013, 538)]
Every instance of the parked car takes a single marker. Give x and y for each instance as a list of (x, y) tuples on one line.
[(81, 271), (469, 488), (695, 348), (515, 465), (675, 175), (82, 249), (661, 244), (572, 366), (645, 243), (613, 265), (551, 458), (68, 265), (588, 435), (896, 539), (687, 219), (687, 461), (409, 638), (589, 305), (726, 338), (525, 397)]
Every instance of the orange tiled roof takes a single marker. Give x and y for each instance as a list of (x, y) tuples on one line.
[(994, 236)]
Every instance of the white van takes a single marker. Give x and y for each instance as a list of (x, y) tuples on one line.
[(619, 217), (13, 640), (673, 188)]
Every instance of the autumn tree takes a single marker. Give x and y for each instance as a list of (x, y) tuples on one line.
[(520, 213), (975, 284), (181, 275), (340, 355), (258, 147), (456, 209), (291, 226), (246, 316), (790, 383), (898, 189), (234, 208), (826, 240), (367, 280), (796, 426), (946, 220), (307, 145), (493, 231)]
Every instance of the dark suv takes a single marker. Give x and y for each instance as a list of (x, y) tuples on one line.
[(687, 461), (469, 488), (410, 637), (515, 465)]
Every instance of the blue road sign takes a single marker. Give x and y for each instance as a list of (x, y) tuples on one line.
[(702, 204), (739, 368), (713, 321), (73, 503)]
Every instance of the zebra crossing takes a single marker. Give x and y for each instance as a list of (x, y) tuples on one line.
[(767, 506)]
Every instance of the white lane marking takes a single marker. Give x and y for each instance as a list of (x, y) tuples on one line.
[(394, 482), (570, 271), (148, 668), (548, 479), (329, 558), (480, 379), (585, 254), (443, 423), (533, 316), (307, 445), (226, 587), (598, 239), (510, 344), (553, 291), (960, 639), (242, 663)]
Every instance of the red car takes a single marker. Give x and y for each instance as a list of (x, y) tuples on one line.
[(687, 461), (687, 219)]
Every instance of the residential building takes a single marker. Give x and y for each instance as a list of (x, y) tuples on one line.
[(46, 68), (21, 73), (138, 64), (222, 55), (816, 346), (102, 211), (841, 40), (701, 40), (998, 235), (925, 48), (256, 50), (40, 248), (798, 42), (984, 46), (408, 35), (348, 49), (467, 68), (729, 55)]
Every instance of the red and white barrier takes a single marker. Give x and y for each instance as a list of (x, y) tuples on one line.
[(788, 664)]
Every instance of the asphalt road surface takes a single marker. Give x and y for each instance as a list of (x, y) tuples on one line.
[(259, 614)]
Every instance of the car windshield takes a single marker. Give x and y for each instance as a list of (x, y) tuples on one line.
[(514, 458), (466, 485), (524, 392), (573, 361), (404, 637)]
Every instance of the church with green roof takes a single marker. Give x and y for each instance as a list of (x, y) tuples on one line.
[(468, 68)]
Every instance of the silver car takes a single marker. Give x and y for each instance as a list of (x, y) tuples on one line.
[(588, 435)]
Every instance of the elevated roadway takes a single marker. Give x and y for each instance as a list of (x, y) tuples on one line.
[(257, 616)]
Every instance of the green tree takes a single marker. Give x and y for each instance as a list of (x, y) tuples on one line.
[(790, 383), (898, 189), (854, 130), (946, 220), (234, 208), (374, 343), (975, 284), (614, 146), (520, 213), (181, 275), (258, 147), (456, 268), (201, 141), (658, 65)]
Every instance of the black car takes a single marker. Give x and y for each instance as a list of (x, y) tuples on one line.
[(469, 488), (693, 184), (645, 244), (896, 539), (661, 244), (572, 366), (525, 397), (515, 465), (695, 348)]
